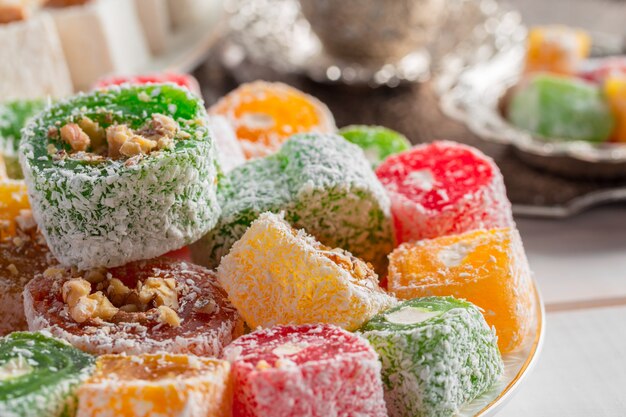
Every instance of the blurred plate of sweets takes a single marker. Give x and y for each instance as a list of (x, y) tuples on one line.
[(558, 98)]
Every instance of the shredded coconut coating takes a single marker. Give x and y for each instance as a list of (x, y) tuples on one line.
[(311, 370), (202, 331), (432, 368), (229, 150), (276, 275), (46, 372), (444, 188), (323, 183), (112, 212), (157, 385), (487, 267)]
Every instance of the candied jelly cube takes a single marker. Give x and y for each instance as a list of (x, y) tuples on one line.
[(277, 275), (560, 107), (310, 370), (556, 49), (443, 188), (437, 354), (265, 114), (486, 267), (615, 93), (157, 385)]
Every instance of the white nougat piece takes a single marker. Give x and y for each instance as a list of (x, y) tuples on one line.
[(32, 64), (155, 22), (100, 38)]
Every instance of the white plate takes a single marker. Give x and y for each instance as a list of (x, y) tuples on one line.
[(517, 366)]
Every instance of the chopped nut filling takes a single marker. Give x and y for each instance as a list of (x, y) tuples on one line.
[(117, 135), (161, 291), (74, 289), (96, 133), (356, 267), (73, 135), (13, 269), (92, 143), (160, 126), (137, 145), (168, 316), (118, 292), (116, 302), (96, 275)]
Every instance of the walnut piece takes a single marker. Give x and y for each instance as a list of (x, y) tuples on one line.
[(355, 266), (104, 309), (74, 289), (13, 269), (82, 305), (25, 220), (117, 135), (73, 135), (161, 291), (54, 272), (118, 292), (96, 133), (96, 275), (168, 316), (137, 145), (83, 310), (164, 126)]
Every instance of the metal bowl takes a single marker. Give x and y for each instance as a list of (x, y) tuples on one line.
[(275, 35), (472, 92)]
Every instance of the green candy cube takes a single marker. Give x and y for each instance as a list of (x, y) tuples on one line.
[(558, 107), (324, 185), (377, 142), (96, 209), (437, 354), (39, 375), (13, 117)]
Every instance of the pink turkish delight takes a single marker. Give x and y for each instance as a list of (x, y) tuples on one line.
[(444, 188), (309, 370)]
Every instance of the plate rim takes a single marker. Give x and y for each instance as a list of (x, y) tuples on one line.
[(511, 389)]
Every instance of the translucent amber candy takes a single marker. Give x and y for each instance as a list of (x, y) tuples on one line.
[(486, 267), (265, 114), (615, 93), (13, 199), (557, 49), (157, 385)]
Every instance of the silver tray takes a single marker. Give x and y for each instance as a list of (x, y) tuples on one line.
[(471, 92), (274, 34)]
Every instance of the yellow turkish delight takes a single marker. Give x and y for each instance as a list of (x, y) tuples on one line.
[(277, 275)]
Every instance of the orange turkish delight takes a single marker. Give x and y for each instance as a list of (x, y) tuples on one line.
[(265, 114), (557, 49), (157, 385), (486, 267)]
